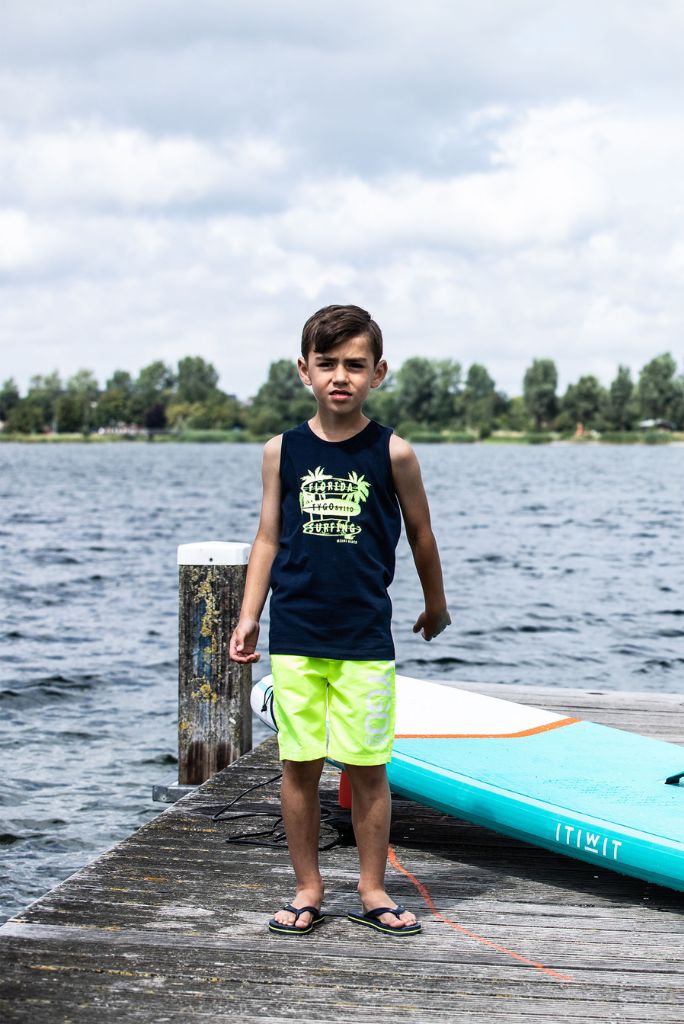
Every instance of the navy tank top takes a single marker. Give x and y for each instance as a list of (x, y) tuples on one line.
[(340, 523)]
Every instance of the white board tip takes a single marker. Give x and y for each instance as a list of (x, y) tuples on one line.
[(214, 552)]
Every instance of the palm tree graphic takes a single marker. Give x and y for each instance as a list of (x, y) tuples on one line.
[(309, 481), (358, 493)]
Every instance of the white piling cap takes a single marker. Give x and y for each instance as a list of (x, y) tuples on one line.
[(213, 552)]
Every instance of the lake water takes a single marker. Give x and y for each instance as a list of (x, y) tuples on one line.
[(562, 566)]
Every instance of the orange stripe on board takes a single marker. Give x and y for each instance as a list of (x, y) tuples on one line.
[(485, 735), (425, 893)]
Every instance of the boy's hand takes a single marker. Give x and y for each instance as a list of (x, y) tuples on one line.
[(431, 624), (243, 642)]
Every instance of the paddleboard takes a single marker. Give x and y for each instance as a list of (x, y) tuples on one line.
[(588, 791)]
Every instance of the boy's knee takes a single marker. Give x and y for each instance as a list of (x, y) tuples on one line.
[(367, 776), (303, 771)]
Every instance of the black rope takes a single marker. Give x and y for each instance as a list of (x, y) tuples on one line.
[(333, 820), (257, 785)]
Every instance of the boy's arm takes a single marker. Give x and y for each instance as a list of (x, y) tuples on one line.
[(413, 502), (244, 639)]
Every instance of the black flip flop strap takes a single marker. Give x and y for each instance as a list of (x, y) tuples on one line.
[(298, 911), (379, 911)]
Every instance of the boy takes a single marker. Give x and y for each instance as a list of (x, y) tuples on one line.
[(334, 490)]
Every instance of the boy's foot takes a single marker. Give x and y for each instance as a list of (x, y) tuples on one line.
[(381, 912), (301, 915), (389, 920), (310, 916)]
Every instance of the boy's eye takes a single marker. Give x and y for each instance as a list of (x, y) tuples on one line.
[(328, 364)]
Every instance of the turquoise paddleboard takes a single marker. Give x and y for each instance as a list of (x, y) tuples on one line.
[(588, 791)]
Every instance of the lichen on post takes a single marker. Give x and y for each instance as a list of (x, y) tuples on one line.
[(214, 714)]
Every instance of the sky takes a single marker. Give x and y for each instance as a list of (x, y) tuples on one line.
[(494, 180)]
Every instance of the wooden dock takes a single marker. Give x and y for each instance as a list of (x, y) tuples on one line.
[(169, 925)]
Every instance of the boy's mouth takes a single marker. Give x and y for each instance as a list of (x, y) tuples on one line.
[(337, 393)]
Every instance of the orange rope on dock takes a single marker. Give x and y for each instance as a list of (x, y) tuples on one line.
[(425, 893)]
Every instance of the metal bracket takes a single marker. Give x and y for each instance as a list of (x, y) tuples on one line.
[(170, 792)]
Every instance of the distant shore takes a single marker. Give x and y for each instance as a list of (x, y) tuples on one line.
[(650, 437)]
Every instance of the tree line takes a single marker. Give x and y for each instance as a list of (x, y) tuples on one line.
[(424, 396)]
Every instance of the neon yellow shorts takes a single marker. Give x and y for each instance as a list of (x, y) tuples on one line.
[(358, 697)]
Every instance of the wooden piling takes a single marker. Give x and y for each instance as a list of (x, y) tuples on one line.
[(214, 714)]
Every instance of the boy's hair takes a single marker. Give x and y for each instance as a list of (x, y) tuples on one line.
[(332, 325)]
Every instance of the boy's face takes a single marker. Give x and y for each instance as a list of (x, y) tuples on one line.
[(342, 377)]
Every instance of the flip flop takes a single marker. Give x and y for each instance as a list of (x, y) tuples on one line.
[(372, 919), (291, 929)]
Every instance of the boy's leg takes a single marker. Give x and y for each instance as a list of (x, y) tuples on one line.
[(299, 690), (301, 816), (371, 817), (361, 717)]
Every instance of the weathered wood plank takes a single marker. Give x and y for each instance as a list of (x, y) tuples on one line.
[(612, 700), (339, 950)]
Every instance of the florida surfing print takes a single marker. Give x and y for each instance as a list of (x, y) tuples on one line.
[(332, 503)]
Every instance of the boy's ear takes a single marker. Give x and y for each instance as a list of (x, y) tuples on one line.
[(379, 374), (303, 371)]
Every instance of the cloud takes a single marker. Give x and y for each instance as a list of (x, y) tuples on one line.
[(86, 166), (26, 242), (494, 183)]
